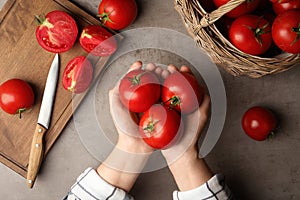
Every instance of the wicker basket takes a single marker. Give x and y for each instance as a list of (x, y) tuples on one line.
[(201, 27)]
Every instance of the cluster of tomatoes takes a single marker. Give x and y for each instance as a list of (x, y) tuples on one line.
[(57, 33), (160, 106), (257, 27)]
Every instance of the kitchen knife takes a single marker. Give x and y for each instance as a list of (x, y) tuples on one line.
[(37, 146)]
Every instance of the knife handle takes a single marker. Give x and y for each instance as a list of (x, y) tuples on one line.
[(36, 154)]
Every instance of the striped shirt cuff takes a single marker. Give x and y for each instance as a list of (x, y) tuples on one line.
[(91, 186), (214, 189)]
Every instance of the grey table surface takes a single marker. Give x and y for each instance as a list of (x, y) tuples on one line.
[(254, 170)]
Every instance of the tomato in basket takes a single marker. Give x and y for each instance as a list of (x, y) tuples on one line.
[(251, 34), (244, 8), (286, 31)]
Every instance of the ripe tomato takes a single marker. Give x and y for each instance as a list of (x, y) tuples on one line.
[(286, 31), (117, 14), (78, 75), (16, 96), (139, 90), (57, 32), (244, 8), (159, 126), (251, 34), (258, 123), (282, 7), (280, 1), (97, 40), (182, 91)]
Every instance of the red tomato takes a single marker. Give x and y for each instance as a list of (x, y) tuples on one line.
[(282, 7), (97, 41), (182, 91), (159, 126), (258, 123), (78, 75), (244, 8), (139, 90), (57, 32), (16, 96), (286, 31), (251, 34), (280, 1), (117, 14)]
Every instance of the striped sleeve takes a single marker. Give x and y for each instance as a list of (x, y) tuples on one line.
[(214, 189), (90, 186)]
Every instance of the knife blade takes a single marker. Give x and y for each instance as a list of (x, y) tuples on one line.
[(44, 118)]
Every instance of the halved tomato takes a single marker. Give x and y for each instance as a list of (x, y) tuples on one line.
[(78, 75), (57, 31), (97, 40)]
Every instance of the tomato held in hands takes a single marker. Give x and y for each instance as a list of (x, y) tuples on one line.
[(286, 31), (97, 40), (139, 90), (182, 91), (282, 7), (251, 34), (78, 75), (57, 32), (258, 123), (242, 9), (159, 126), (16, 96), (117, 14)]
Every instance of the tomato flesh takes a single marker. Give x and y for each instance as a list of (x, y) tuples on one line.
[(78, 75), (57, 33), (98, 41)]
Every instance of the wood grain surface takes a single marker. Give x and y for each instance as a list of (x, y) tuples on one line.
[(22, 57)]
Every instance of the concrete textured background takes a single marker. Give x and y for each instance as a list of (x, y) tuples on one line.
[(266, 170)]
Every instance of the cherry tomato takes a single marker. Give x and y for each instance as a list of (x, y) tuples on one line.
[(245, 8), (16, 96), (286, 31), (57, 32), (182, 92), (251, 34), (117, 14), (139, 90), (159, 126), (97, 40), (78, 75), (258, 123), (282, 7)]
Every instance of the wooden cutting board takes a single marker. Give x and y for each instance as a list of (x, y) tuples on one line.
[(22, 57)]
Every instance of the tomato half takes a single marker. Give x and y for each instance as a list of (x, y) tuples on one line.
[(16, 96), (182, 92), (258, 123), (247, 7), (117, 14), (251, 34), (97, 40), (78, 75), (282, 7), (57, 32), (286, 31), (139, 90), (159, 126)]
